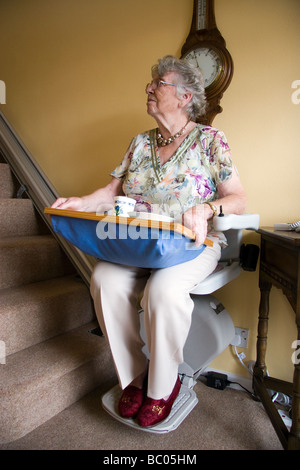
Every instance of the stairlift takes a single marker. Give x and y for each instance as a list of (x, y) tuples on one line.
[(212, 329)]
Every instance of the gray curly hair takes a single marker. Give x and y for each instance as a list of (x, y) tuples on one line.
[(190, 79)]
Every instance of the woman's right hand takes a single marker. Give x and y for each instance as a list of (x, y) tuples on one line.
[(70, 203), (195, 218), (92, 202)]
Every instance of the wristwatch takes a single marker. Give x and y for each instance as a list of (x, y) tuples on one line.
[(213, 208)]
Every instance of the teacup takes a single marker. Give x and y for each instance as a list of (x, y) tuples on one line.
[(123, 205)]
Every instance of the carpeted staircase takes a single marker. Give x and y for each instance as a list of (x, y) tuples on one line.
[(46, 314)]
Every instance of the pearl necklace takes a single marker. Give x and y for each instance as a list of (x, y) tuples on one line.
[(163, 142)]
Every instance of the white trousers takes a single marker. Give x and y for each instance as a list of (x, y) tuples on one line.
[(167, 305)]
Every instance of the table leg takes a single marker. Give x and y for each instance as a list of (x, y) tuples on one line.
[(262, 329)]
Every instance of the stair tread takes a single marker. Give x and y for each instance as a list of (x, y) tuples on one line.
[(19, 218), (4, 201), (32, 313), (7, 185), (50, 359), (39, 290), (33, 258), (27, 239)]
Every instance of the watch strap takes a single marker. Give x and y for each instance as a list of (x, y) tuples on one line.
[(213, 208)]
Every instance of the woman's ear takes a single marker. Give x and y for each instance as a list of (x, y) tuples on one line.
[(185, 99)]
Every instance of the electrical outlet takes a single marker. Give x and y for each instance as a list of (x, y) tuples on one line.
[(241, 337), (244, 334)]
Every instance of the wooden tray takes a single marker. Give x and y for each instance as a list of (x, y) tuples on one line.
[(171, 226)]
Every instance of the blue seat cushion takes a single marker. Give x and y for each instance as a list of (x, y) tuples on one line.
[(128, 242)]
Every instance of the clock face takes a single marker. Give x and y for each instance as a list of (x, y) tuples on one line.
[(208, 61)]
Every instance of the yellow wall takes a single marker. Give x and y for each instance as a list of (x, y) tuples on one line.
[(75, 73)]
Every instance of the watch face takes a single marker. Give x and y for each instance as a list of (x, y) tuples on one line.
[(208, 61)]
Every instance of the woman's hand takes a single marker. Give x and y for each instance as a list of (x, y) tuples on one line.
[(97, 201), (195, 219), (70, 203)]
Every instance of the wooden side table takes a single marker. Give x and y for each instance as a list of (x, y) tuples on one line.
[(279, 267)]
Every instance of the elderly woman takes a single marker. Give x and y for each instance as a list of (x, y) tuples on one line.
[(185, 166)]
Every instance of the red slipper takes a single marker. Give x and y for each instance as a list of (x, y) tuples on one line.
[(153, 411), (131, 400)]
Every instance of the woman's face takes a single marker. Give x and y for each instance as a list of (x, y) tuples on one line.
[(162, 99)]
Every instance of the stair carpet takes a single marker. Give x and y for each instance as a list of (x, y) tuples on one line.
[(46, 315)]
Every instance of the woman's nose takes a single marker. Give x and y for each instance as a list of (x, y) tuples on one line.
[(149, 88)]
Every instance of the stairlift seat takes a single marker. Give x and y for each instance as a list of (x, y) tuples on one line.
[(224, 273), (211, 331)]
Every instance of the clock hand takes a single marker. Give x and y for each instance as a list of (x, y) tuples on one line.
[(198, 63)]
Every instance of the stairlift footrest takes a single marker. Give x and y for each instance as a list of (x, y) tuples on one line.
[(182, 406)]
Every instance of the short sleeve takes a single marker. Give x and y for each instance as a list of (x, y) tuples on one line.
[(220, 158), (120, 171)]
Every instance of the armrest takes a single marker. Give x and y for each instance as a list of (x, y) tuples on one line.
[(237, 222)]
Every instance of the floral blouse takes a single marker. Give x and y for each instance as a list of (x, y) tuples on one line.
[(191, 176)]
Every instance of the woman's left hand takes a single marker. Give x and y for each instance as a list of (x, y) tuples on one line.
[(195, 219)]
